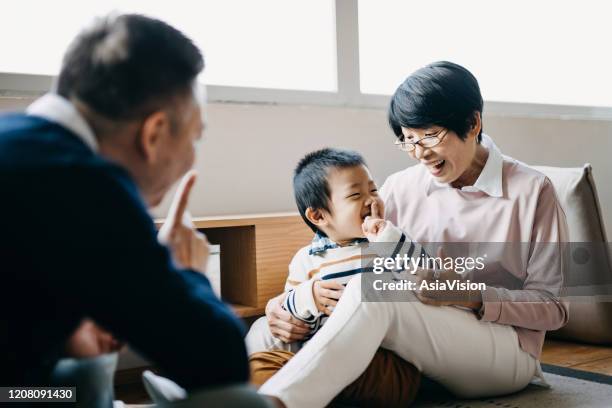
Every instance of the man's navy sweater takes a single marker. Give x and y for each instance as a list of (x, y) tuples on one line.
[(76, 241)]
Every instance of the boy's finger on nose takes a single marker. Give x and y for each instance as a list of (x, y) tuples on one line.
[(374, 209)]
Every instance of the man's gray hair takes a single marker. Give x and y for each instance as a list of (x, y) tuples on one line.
[(128, 66)]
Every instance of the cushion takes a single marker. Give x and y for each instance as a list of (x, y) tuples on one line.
[(589, 284), (388, 381)]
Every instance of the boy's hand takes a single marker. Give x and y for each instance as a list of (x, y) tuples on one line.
[(326, 295), (373, 224)]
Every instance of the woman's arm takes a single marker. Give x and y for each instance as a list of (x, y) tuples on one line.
[(537, 306)]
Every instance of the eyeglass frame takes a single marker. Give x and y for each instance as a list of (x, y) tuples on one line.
[(402, 144)]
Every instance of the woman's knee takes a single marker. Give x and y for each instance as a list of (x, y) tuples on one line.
[(354, 298)]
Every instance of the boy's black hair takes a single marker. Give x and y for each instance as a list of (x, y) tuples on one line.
[(443, 94), (310, 185)]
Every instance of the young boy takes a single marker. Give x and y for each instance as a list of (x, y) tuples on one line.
[(339, 201)]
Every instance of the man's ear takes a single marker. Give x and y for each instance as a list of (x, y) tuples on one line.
[(152, 133), (317, 217)]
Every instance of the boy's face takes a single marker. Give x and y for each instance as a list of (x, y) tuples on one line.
[(352, 192)]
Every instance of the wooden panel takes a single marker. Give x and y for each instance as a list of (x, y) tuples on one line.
[(248, 311), (254, 264), (237, 220), (238, 267), (277, 241)]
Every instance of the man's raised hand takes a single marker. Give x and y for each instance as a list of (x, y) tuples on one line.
[(188, 246)]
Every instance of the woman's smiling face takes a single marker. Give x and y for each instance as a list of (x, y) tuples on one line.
[(448, 160)]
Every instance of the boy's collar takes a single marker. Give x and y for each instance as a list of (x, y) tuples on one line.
[(320, 244)]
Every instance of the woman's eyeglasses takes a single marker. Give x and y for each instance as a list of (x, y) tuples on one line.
[(426, 142)]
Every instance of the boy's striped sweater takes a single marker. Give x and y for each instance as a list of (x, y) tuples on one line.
[(325, 260)]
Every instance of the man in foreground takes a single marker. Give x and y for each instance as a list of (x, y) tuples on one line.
[(78, 172)]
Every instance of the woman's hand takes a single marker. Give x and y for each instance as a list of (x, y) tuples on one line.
[(282, 325), (465, 298), (326, 295)]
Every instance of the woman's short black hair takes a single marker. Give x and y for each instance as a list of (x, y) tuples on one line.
[(310, 186), (442, 94)]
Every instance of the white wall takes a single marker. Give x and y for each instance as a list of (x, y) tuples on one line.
[(246, 163), (250, 151)]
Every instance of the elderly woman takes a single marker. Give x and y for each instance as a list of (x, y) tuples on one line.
[(476, 343)]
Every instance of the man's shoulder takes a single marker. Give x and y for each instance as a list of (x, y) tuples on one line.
[(13, 124), (50, 170), (16, 120), (27, 140), (31, 144)]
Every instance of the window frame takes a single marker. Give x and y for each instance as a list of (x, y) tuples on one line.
[(348, 79)]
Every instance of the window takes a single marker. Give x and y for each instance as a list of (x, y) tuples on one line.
[(280, 44), (532, 58), (543, 51)]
